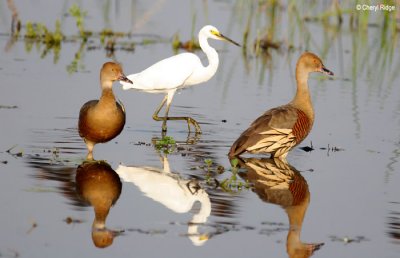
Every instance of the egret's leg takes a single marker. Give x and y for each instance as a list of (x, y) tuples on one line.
[(155, 115), (157, 118), (168, 99)]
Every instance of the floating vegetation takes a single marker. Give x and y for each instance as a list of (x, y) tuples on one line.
[(231, 184), (148, 231), (330, 149), (307, 148), (348, 240), (234, 183), (70, 220), (15, 154), (33, 226), (8, 107), (167, 145), (40, 190)]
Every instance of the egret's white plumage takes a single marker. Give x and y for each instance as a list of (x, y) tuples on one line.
[(158, 78), (179, 71)]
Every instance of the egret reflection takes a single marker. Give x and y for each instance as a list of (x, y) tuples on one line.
[(100, 186), (279, 183), (174, 192)]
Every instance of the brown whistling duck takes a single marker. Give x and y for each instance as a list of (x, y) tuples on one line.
[(102, 120), (281, 128)]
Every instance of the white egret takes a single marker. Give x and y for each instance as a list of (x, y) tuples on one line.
[(177, 72)]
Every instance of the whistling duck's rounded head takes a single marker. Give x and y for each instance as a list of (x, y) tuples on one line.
[(113, 72), (309, 62)]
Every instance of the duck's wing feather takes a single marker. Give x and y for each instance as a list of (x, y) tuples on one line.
[(272, 132)]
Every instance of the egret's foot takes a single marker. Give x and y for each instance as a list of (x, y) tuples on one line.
[(189, 120), (194, 123)]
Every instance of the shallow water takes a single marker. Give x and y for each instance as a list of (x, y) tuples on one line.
[(351, 175)]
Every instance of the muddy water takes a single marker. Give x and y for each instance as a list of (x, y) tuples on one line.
[(170, 204)]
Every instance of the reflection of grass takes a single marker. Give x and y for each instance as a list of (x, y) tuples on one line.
[(79, 16), (45, 40), (74, 66), (190, 45), (39, 34)]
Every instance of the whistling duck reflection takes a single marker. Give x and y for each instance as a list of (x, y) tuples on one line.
[(279, 183), (177, 194), (99, 185)]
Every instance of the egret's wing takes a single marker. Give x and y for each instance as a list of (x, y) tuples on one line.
[(167, 74)]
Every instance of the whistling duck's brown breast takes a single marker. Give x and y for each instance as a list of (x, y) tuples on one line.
[(98, 123), (279, 129)]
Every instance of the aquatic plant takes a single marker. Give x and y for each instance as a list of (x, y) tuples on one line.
[(234, 183), (167, 145)]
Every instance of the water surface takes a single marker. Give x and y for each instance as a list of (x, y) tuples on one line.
[(350, 177)]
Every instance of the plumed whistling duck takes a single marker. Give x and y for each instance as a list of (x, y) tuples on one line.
[(281, 128)]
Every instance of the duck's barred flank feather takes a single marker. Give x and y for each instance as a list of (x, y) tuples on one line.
[(302, 126)]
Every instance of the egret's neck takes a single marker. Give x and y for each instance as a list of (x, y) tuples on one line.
[(213, 61)]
